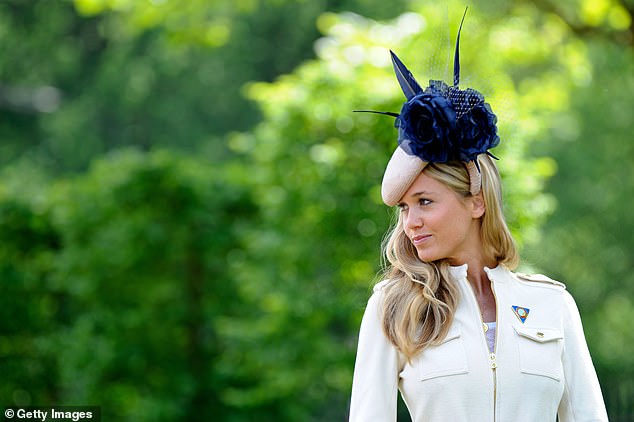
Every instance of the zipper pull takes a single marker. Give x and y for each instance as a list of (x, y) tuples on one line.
[(492, 361)]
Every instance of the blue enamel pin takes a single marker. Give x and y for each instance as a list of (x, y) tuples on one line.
[(521, 313)]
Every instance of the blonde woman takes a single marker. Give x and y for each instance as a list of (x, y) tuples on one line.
[(452, 327)]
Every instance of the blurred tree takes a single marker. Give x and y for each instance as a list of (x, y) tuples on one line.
[(146, 240), (29, 309), (136, 282), (38, 79), (141, 73)]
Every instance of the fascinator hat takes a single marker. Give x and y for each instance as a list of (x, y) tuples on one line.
[(437, 124)]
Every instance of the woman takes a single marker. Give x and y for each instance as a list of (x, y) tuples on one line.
[(452, 327)]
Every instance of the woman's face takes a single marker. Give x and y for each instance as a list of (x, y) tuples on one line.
[(440, 223)]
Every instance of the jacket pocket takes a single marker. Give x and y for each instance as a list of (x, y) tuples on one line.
[(540, 351), (444, 359)]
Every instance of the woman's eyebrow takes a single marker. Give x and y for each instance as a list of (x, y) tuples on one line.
[(421, 193)]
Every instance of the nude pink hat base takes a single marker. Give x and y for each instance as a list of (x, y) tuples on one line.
[(403, 169), (400, 173)]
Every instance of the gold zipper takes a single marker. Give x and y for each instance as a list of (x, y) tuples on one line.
[(492, 357), (494, 364)]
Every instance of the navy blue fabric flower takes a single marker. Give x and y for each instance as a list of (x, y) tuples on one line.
[(477, 132), (446, 123), (426, 124)]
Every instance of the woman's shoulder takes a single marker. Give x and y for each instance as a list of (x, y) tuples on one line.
[(548, 291), (378, 287), (503, 273), (539, 280)]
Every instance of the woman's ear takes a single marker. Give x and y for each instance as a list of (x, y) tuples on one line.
[(478, 206)]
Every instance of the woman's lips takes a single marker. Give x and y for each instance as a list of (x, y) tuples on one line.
[(417, 240)]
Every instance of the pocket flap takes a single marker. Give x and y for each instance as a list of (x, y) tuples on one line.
[(444, 359), (541, 335)]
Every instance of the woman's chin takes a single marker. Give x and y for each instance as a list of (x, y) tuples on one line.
[(427, 256)]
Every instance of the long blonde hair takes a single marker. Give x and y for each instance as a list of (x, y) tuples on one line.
[(420, 298)]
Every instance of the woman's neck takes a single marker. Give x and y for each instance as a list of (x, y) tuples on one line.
[(478, 279)]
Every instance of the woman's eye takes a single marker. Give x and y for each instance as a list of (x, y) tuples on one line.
[(423, 201), (402, 207)]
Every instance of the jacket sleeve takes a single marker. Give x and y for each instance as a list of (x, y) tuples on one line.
[(582, 400), (376, 371)]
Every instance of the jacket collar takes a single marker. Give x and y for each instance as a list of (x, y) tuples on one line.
[(498, 274), (459, 272)]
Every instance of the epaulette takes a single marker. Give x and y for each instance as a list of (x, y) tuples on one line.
[(541, 278)]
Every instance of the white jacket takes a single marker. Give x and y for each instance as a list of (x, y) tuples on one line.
[(540, 368)]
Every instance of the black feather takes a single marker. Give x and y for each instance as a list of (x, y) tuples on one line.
[(387, 113), (405, 78), (456, 59)]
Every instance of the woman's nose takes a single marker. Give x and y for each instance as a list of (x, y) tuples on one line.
[(413, 219)]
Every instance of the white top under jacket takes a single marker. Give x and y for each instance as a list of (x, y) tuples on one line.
[(539, 369)]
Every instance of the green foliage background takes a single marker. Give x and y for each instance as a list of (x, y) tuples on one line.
[(190, 216)]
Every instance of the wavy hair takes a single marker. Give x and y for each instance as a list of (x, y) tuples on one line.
[(420, 299)]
